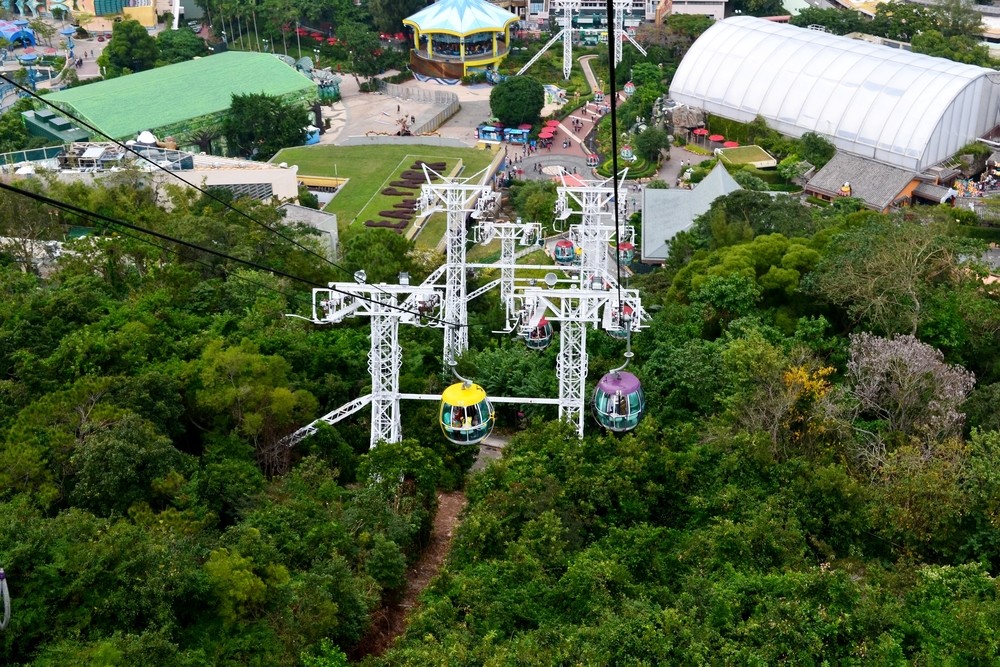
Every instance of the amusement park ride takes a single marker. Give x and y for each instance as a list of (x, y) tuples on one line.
[(589, 294), (619, 34)]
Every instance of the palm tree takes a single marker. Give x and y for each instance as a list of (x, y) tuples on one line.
[(203, 138)]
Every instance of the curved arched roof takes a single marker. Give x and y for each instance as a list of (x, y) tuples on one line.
[(460, 17), (901, 108)]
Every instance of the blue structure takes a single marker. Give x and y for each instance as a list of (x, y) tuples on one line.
[(67, 34), (17, 33), (490, 133), (28, 61), (516, 136)]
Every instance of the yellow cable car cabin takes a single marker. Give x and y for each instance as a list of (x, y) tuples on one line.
[(466, 414)]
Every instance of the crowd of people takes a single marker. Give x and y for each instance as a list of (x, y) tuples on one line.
[(988, 182)]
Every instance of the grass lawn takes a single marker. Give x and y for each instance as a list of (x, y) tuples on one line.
[(745, 155), (539, 258), (433, 231), (369, 169)]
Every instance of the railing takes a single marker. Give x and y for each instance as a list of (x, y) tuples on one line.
[(30, 155), (437, 97)]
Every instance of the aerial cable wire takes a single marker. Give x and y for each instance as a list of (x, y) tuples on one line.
[(292, 296), (207, 193), (71, 208), (614, 150)]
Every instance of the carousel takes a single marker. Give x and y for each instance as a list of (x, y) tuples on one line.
[(451, 37)]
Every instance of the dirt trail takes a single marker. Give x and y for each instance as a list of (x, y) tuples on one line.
[(390, 621)]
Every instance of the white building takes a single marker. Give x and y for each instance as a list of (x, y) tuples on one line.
[(899, 108)]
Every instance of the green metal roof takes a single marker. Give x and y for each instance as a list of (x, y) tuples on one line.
[(164, 96)]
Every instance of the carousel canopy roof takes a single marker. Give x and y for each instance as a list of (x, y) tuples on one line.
[(460, 17)]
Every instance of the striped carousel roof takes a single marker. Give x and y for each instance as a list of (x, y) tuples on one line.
[(460, 17)]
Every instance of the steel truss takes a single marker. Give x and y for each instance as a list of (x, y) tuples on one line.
[(591, 298), (620, 33), (566, 35)]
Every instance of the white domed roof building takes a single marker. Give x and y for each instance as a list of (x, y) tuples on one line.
[(902, 109)]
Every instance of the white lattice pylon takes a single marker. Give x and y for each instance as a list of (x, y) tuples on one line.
[(380, 304), (619, 31), (568, 7), (457, 197), (509, 234), (565, 34), (596, 228), (384, 360), (575, 309)]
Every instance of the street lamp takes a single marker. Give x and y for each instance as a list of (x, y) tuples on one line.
[(266, 48), (316, 53)]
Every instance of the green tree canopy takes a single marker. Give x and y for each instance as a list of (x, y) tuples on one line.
[(836, 21), (258, 125), (517, 100), (388, 15), (131, 49), (650, 142), (176, 46)]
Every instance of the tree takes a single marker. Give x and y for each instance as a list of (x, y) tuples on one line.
[(517, 100), (388, 15), (258, 125), (959, 18), (364, 46), (749, 181), (960, 48), (901, 20), (42, 29), (13, 134), (834, 20), (535, 201), (82, 20), (815, 149), (650, 142), (117, 467), (883, 271), (382, 254), (203, 138), (176, 46), (907, 385), (647, 74), (131, 49)]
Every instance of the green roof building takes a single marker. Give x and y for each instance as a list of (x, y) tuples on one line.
[(181, 98)]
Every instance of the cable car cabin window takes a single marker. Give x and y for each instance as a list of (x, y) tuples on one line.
[(466, 415)]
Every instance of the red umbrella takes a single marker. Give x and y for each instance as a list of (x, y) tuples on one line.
[(545, 135), (524, 126), (700, 131), (716, 137), (552, 123), (731, 144)]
